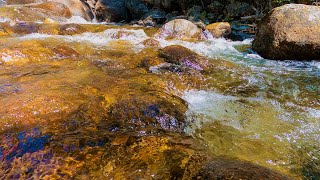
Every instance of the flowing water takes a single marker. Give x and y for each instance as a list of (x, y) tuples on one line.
[(98, 103)]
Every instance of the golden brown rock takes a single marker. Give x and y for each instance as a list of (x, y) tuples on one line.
[(12, 2), (36, 12), (219, 29), (151, 43), (56, 7), (63, 51), (77, 8), (72, 29)]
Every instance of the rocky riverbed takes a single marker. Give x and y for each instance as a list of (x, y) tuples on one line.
[(86, 100)]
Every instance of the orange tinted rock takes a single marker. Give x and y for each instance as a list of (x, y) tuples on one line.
[(72, 29), (56, 7), (219, 29), (63, 51), (120, 140), (25, 52), (51, 28), (3, 32), (21, 28), (77, 8), (31, 13), (12, 2), (151, 43)]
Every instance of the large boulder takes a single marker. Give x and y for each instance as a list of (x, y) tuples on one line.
[(136, 8), (77, 8), (180, 29), (36, 12), (289, 32), (111, 10), (11, 2), (56, 7)]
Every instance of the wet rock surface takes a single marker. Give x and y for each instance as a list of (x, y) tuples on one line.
[(183, 56), (233, 169)]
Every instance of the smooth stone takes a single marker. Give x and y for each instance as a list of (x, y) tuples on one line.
[(180, 29), (289, 32), (219, 29)]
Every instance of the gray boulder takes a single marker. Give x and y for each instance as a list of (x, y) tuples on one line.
[(291, 31)]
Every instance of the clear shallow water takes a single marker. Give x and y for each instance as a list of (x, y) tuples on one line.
[(250, 108)]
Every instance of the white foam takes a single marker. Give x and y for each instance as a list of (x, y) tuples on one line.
[(212, 48), (207, 106), (211, 106), (78, 20), (134, 36), (316, 64)]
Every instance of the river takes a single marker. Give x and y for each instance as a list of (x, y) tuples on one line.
[(100, 103)]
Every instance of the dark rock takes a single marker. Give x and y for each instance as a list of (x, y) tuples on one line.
[(151, 112), (111, 10), (239, 9), (239, 33), (196, 14), (289, 32), (149, 22), (223, 168), (136, 8), (180, 55), (157, 16), (216, 7)]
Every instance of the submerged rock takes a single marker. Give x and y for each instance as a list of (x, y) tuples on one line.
[(151, 43), (224, 168), (72, 29), (19, 54), (219, 29), (180, 29), (289, 32), (150, 113), (180, 55), (57, 7), (20, 28)]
